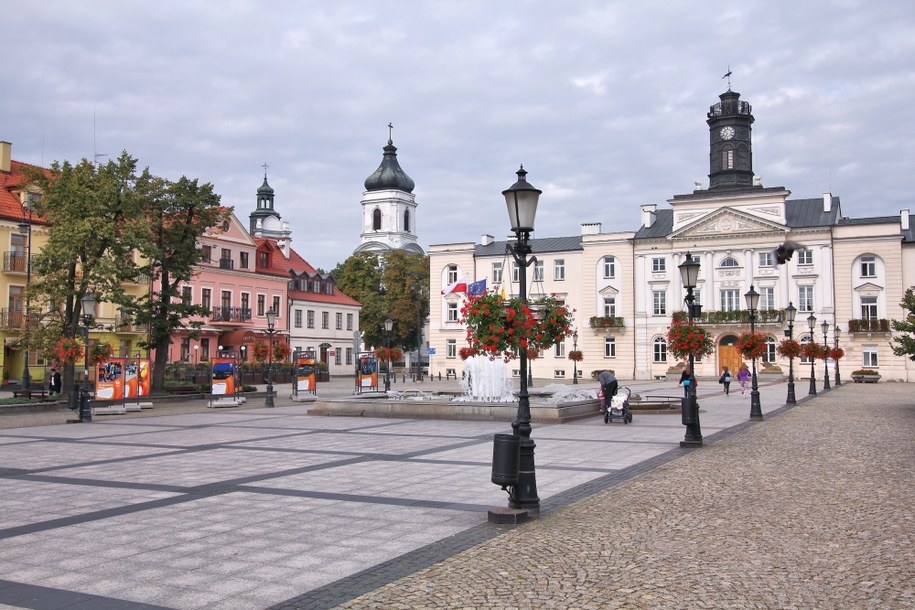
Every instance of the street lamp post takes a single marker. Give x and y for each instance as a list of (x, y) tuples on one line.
[(825, 327), (25, 227), (812, 325), (388, 327), (85, 407), (836, 337), (689, 274), (752, 298), (791, 313), (271, 330), (575, 362), (521, 202)]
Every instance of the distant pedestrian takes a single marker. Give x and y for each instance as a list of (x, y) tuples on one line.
[(743, 376), (685, 378), (725, 380), (55, 384)]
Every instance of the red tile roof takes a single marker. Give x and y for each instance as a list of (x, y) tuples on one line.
[(11, 183), (281, 265)]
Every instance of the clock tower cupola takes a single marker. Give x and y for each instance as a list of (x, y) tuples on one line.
[(730, 149)]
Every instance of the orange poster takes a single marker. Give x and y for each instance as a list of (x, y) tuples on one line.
[(223, 377)]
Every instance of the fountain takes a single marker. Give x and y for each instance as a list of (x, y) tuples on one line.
[(486, 380)]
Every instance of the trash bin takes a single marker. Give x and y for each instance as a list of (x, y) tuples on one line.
[(687, 413), (506, 458)]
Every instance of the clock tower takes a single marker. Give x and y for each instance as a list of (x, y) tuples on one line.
[(730, 148)]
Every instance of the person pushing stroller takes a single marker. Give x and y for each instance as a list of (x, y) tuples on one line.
[(609, 386)]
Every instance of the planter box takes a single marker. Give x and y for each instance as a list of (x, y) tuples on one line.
[(865, 378)]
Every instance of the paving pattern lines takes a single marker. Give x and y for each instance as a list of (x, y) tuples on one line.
[(810, 509)]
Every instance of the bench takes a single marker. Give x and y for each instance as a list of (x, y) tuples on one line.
[(669, 401), (29, 394)]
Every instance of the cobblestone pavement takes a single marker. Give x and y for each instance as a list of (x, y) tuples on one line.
[(812, 509)]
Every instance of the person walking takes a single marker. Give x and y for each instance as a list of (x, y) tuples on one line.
[(54, 385), (725, 380), (743, 376)]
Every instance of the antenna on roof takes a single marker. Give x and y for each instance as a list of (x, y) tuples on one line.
[(95, 155)]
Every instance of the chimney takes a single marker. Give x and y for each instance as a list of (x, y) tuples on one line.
[(904, 219), (827, 202), (485, 239), (648, 214), (590, 228), (6, 152)]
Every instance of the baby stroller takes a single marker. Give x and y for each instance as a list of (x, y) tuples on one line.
[(619, 407)]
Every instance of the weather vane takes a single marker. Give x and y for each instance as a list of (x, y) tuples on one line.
[(728, 76)]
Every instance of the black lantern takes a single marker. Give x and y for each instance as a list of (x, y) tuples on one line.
[(271, 330), (791, 315), (388, 327), (812, 325), (752, 298), (689, 408), (88, 304), (825, 327)]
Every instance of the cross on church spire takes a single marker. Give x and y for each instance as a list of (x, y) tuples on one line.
[(728, 76), (390, 132), (265, 166)]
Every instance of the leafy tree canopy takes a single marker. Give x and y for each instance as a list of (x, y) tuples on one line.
[(904, 345)]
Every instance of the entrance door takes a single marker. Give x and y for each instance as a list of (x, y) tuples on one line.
[(728, 354)]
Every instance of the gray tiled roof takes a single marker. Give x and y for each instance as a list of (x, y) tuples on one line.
[(547, 244)]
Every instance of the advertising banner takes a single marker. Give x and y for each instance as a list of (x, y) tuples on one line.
[(224, 380), (305, 380), (367, 372), (136, 378), (110, 380)]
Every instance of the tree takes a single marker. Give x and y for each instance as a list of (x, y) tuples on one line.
[(177, 214), (87, 209), (392, 285), (904, 345)]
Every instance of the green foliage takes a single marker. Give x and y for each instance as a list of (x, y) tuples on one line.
[(904, 345)]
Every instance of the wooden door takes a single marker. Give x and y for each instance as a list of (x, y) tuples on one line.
[(728, 355)]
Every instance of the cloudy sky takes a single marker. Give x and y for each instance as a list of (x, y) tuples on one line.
[(603, 102)]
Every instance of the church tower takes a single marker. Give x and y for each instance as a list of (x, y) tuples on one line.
[(731, 151), (264, 221), (389, 207)]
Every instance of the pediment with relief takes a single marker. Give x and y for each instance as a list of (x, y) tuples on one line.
[(868, 289), (724, 223)]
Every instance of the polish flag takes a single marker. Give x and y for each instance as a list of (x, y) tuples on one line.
[(458, 286)]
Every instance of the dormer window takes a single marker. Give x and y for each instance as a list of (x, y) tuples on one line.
[(264, 259)]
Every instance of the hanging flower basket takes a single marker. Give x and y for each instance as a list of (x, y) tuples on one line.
[(388, 354), (260, 351), (813, 351), (836, 353), (501, 328), (751, 345), (466, 352), (68, 349), (533, 353), (280, 351), (576, 356), (685, 338), (99, 353), (789, 348)]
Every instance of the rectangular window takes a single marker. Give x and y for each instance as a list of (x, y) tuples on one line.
[(325, 320), (242, 260), (338, 356), (659, 299), (727, 159), (869, 353), (452, 312), (515, 275), (245, 301), (868, 266), (609, 267), (869, 308), (660, 350), (204, 349), (349, 321), (766, 298), (186, 296), (451, 275), (497, 273), (297, 318), (207, 254), (276, 307), (559, 350), (805, 298), (339, 318), (559, 269), (697, 295), (226, 299), (805, 257), (206, 298), (730, 300), (609, 306), (658, 265), (263, 259), (261, 300), (310, 318), (538, 271), (766, 259), (185, 349), (349, 355), (451, 348), (609, 347), (559, 374)]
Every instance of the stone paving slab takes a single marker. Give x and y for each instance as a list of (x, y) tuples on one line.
[(254, 507)]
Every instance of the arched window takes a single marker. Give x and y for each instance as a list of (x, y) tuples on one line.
[(376, 220), (769, 356), (660, 349), (729, 262), (406, 220)]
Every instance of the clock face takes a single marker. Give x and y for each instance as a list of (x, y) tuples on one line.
[(727, 133)]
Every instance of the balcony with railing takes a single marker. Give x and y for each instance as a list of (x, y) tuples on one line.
[(11, 319), (869, 325), (14, 262), (599, 322), (226, 263), (736, 316), (230, 314), (126, 324)]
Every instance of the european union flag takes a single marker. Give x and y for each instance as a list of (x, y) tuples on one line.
[(477, 289)]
